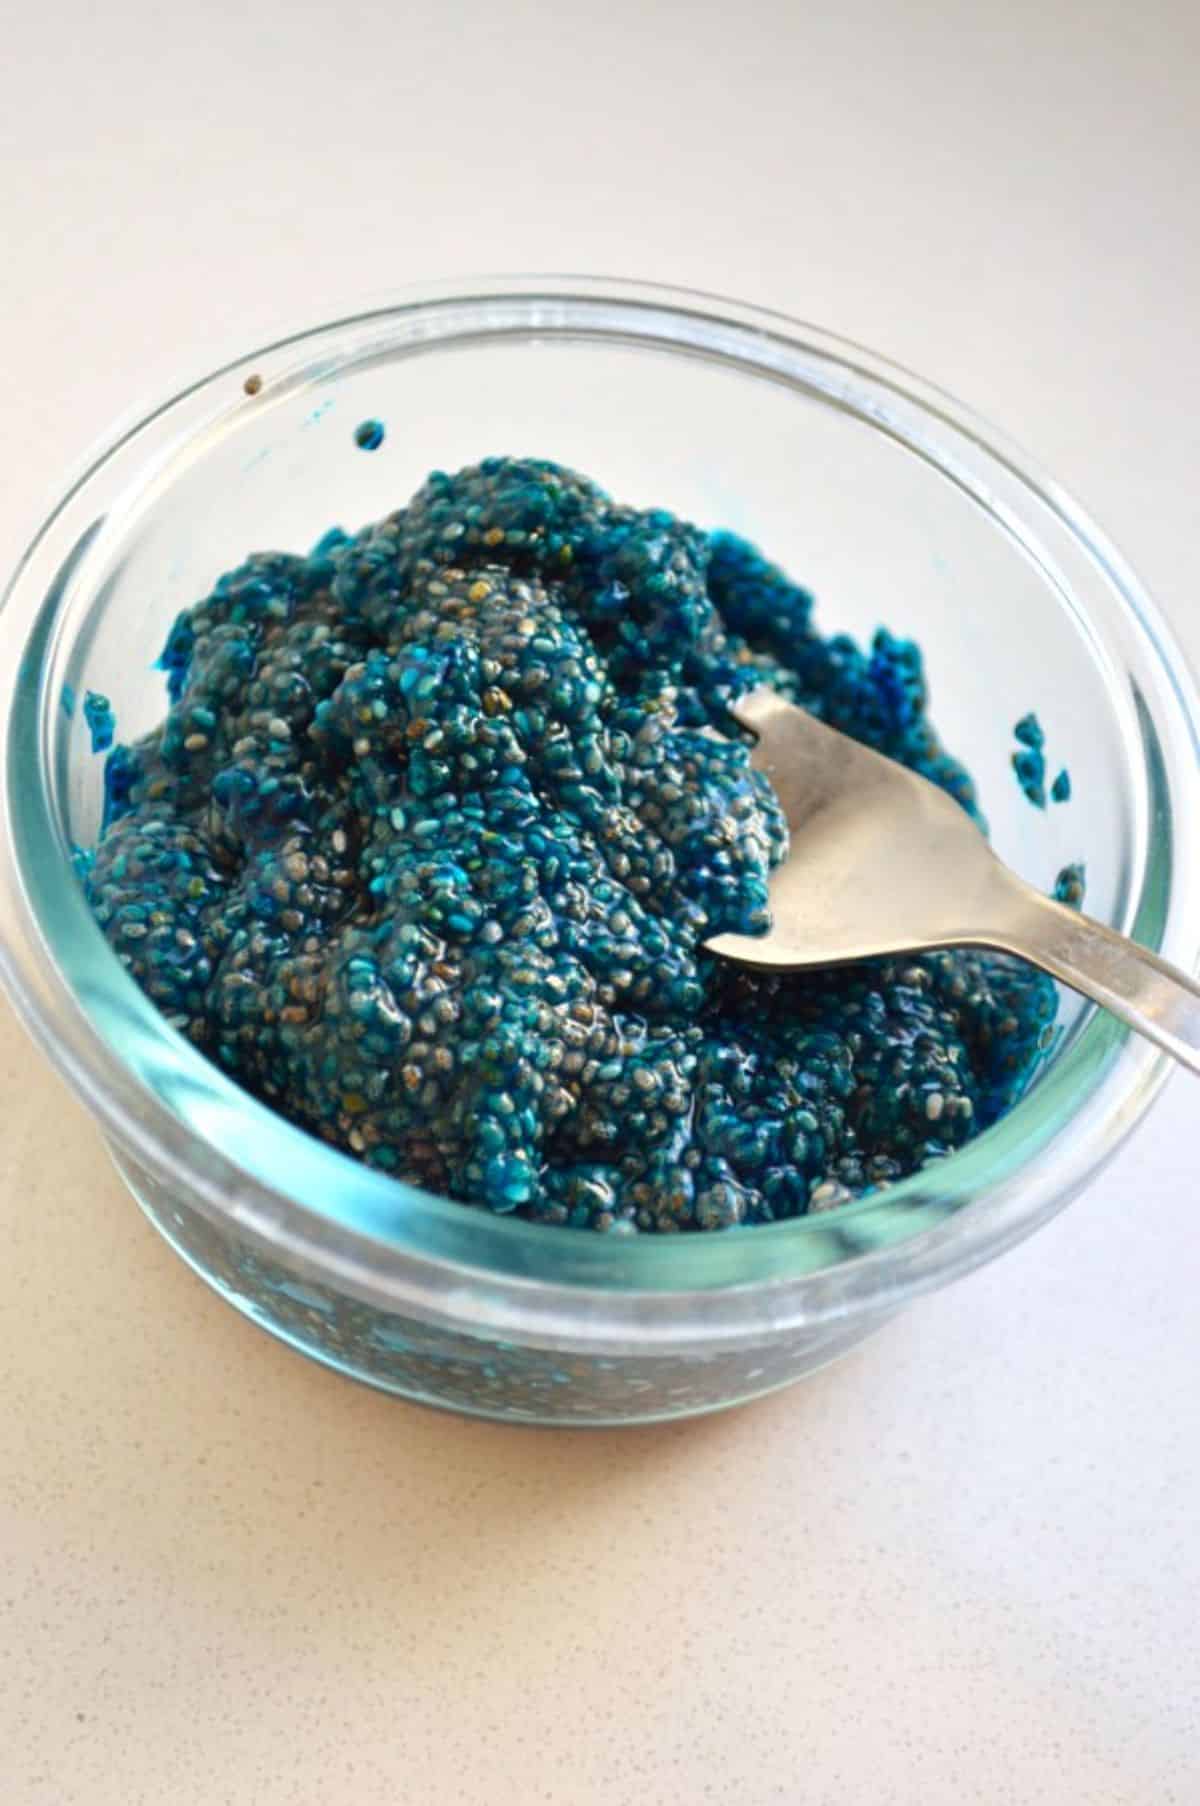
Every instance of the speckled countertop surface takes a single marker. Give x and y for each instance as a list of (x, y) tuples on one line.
[(961, 1566)]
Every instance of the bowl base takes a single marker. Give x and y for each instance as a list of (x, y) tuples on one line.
[(502, 1382)]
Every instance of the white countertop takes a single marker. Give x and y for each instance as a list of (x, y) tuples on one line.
[(960, 1566)]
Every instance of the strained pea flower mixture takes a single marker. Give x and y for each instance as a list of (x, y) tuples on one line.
[(425, 852)]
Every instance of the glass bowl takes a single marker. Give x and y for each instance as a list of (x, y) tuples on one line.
[(874, 489)]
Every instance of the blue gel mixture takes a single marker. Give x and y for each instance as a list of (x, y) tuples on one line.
[(97, 712), (425, 849), (1070, 886), (1029, 761)]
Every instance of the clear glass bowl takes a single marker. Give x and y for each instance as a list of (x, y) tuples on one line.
[(874, 489)]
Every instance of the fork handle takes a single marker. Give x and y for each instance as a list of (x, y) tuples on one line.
[(1153, 997)]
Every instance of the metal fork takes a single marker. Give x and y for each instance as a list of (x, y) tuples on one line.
[(883, 862)]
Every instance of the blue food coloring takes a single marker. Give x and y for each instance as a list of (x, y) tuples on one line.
[(369, 434), (1060, 790), (427, 846)]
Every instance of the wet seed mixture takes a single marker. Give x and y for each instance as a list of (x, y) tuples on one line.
[(427, 846), (1029, 763)]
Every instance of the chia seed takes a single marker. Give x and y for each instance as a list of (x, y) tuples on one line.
[(426, 848)]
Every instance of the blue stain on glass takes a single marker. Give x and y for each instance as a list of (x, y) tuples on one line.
[(1060, 790), (68, 701), (1029, 762), (97, 712), (368, 435), (1070, 887)]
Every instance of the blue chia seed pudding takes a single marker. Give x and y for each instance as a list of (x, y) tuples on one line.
[(426, 849)]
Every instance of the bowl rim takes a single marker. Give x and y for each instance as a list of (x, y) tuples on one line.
[(400, 1248)]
